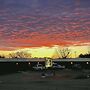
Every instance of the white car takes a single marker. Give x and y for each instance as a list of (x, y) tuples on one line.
[(39, 67), (57, 66)]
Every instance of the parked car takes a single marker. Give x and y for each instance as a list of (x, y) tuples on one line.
[(38, 67), (57, 66)]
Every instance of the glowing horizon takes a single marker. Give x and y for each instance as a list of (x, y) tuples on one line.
[(51, 52)]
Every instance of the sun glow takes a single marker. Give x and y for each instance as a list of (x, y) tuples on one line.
[(41, 52)]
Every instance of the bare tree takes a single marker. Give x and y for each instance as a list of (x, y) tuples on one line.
[(23, 54), (64, 52), (20, 54), (12, 55), (2, 56)]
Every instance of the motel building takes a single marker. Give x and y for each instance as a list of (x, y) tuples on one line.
[(14, 65)]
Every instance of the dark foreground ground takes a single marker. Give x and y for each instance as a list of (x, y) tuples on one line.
[(33, 80)]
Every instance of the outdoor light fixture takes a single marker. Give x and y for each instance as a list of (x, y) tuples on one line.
[(87, 62), (29, 63), (71, 62), (16, 63)]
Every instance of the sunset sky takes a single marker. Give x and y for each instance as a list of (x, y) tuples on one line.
[(41, 26)]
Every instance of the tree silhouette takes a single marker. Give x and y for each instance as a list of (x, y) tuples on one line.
[(64, 52), (84, 56), (2, 56), (20, 54)]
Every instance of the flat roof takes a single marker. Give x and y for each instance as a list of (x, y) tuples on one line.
[(39, 60), (73, 60), (19, 60)]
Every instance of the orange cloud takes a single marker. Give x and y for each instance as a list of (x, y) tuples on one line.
[(24, 31)]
